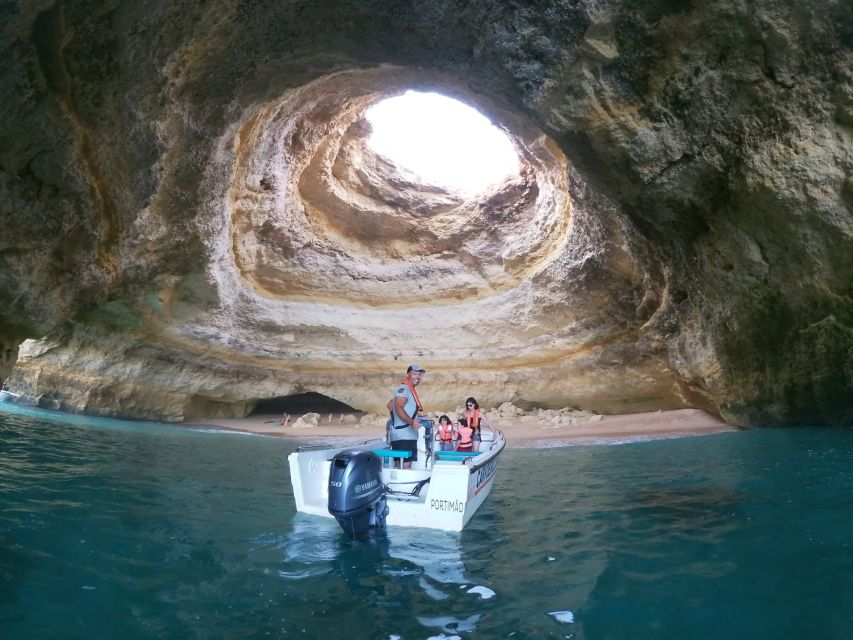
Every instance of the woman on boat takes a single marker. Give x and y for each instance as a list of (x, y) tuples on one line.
[(475, 419), (445, 434)]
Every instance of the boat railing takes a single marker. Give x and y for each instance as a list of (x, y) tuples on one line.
[(491, 454), (320, 447)]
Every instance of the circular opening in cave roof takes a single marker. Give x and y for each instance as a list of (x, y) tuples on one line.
[(443, 141)]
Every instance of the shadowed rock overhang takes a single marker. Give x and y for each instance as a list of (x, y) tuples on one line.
[(193, 220)]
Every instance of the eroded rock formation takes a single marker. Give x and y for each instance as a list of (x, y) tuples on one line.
[(192, 220)]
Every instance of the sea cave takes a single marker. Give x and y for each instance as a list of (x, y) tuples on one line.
[(194, 223)]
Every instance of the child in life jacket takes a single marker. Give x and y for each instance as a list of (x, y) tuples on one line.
[(465, 435), (445, 434)]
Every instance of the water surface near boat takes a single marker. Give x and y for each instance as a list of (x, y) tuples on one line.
[(124, 529)]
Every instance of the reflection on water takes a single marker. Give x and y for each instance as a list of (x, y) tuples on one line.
[(315, 543), (427, 559), (144, 531), (449, 624)]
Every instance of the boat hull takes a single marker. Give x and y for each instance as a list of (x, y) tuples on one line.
[(454, 492)]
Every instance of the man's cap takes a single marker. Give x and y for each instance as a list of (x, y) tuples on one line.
[(416, 367)]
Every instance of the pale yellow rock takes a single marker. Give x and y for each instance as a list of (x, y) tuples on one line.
[(307, 421), (372, 420)]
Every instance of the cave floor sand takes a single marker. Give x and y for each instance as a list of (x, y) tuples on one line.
[(523, 431)]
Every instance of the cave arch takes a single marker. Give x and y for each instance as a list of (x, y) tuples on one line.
[(308, 197), (188, 208)]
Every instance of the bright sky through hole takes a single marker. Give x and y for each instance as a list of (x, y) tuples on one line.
[(443, 141)]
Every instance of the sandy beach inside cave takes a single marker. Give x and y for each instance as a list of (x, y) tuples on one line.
[(521, 431)]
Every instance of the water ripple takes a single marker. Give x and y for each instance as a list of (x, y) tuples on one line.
[(146, 531)]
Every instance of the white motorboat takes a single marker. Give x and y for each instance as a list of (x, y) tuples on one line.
[(364, 486), (8, 396)]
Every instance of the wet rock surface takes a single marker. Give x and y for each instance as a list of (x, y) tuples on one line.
[(192, 220)]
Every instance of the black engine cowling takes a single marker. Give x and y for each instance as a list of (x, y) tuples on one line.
[(356, 491)]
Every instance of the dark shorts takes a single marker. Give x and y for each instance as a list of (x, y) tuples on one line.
[(406, 445)]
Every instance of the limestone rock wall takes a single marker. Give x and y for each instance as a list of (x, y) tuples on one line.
[(192, 220)]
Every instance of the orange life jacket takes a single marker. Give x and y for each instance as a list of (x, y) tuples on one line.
[(445, 432), (465, 434), (473, 418)]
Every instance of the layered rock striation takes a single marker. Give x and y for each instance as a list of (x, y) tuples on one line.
[(193, 220)]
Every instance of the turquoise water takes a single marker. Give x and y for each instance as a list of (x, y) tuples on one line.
[(127, 530)]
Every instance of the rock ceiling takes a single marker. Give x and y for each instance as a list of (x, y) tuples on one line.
[(193, 221)]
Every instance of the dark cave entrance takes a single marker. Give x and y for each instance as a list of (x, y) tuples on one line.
[(301, 403)]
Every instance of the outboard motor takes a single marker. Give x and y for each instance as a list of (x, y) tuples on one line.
[(356, 492)]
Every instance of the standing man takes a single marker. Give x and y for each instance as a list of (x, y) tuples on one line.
[(405, 407)]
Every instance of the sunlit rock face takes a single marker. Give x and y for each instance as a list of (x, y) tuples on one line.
[(193, 221)]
